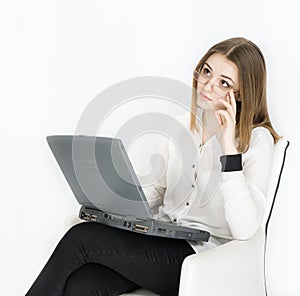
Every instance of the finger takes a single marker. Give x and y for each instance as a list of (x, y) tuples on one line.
[(219, 119), (228, 97), (225, 115), (229, 108), (233, 101)]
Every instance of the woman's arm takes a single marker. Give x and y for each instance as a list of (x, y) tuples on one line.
[(244, 191), (150, 159)]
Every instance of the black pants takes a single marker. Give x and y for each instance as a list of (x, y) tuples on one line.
[(94, 259)]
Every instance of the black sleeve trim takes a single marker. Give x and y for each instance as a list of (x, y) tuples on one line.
[(231, 162)]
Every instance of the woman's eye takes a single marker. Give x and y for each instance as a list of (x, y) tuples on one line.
[(225, 83), (206, 72)]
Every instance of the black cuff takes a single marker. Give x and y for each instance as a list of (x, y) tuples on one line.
[(231, 162)]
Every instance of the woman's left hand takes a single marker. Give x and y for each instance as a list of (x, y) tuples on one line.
[(226, 118)]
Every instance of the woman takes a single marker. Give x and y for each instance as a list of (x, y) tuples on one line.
[(227, 195)]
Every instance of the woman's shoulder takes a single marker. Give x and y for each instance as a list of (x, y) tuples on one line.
[(183, 118), (260, 135), (261, 139), (182, 122)]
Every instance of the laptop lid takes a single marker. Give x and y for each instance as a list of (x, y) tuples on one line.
[(100, 175)]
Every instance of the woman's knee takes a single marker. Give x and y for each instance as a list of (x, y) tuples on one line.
[(78, 232), (78, 227), (96, 279)]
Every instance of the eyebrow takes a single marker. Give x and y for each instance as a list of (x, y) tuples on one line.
[(221, 75)]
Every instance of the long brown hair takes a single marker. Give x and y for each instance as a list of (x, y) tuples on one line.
[(252, 108)]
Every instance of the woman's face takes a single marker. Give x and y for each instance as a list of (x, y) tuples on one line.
[(216, 78)]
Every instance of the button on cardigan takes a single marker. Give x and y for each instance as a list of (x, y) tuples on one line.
[(191, 189)]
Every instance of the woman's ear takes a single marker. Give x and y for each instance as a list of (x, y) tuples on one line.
[(237, 97)]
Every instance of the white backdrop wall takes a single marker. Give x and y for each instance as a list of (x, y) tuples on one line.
[(56, 56)]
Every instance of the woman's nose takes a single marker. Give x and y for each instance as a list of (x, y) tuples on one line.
[(208, 85)]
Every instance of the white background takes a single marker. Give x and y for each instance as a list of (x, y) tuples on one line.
[(56, 56)]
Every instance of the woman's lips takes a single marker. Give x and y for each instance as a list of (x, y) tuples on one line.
[(205, 97)]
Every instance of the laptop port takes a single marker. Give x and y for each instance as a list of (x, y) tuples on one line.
[(161, 230), (85, 216), (93, 217), (126, 223), (140, 228)]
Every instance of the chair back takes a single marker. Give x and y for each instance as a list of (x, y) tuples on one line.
[(279, 156)]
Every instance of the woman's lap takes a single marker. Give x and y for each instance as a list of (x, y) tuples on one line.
[(151, 262)]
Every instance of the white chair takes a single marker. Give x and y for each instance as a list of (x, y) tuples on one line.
[(238, 267), (235, 268)]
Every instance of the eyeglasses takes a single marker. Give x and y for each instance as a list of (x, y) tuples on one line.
[(219, 90)]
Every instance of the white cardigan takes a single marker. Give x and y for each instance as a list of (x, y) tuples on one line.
[(227, 204)]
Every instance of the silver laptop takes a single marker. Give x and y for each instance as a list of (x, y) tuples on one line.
[(101, 176)]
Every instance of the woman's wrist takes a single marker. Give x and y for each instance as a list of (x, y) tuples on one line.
[(230, 151), (232, 162)]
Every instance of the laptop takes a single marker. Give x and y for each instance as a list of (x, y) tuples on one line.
[(103, 181)]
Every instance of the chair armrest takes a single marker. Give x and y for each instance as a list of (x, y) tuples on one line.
[(235, 268)]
